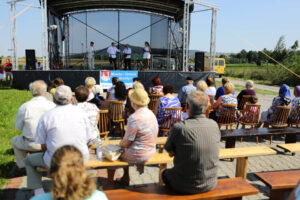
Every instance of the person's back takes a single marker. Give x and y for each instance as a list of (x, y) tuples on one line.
[(65, 124), (195, 144)]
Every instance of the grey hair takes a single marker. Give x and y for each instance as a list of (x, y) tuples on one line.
[(38, 88), (197, 102), (249, 84)]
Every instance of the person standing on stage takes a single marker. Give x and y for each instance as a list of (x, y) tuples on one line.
[(91, 56), (112, 52), (127, 57), (147, 55)]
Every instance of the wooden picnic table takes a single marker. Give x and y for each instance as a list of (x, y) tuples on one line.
[(230, 136)]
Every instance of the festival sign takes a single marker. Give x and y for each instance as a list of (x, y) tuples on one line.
[(124, 76)]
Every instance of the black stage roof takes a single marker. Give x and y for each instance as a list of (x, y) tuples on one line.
[(172, 8)]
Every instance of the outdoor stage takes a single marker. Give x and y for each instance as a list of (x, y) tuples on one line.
[(75, 78)]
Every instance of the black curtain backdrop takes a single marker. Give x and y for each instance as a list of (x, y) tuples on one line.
[(22, 79)]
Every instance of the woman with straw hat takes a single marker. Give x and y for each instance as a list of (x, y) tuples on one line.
[(139, 141)]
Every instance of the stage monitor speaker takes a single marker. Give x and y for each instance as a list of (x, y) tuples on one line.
[(30, 59), (199, 61)]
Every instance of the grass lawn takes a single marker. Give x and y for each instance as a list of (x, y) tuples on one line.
[(10, 100)]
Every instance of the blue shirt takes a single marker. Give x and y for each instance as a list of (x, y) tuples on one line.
[(220, 92), (97, 195), (165, 102), (111, 92), (184, 91)]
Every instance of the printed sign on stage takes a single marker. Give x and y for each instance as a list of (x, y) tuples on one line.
[(125, 76)]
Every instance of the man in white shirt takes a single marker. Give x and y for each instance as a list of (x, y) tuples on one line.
[(112, 53), (91, 56), (27, 120), (64, 125), (127, 57)]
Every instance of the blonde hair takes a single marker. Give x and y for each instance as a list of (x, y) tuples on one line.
[(90, 82), (137, 84), (202, 86), (70, 181), (228, 88)]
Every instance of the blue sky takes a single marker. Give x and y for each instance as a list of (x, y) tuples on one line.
[(261, 22)]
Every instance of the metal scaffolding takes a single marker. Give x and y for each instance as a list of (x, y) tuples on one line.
[(45, 34), (13, 35)]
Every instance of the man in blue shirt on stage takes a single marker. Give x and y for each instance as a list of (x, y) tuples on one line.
[(186, 90)]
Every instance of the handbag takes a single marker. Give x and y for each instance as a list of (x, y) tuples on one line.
[(112, 152)]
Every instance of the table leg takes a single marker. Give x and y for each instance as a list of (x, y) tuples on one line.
[(290, 139), (110, 178), (241, 167), (230, 143), (161, 167)]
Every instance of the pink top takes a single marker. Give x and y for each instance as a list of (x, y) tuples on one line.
[(142, 130)]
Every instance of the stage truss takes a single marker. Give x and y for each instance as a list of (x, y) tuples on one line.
[(49, 29)]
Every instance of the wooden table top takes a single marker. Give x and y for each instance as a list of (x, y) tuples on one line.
[(280, 179), (259, 132)]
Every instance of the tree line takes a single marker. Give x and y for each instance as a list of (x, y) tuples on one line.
[(280, 53)]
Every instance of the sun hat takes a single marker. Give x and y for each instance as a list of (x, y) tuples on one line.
[(139, 97), (63, 94)]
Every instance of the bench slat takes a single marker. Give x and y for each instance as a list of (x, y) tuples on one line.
[(159, 141), (292, 147), (162, 158), (226, 189), (246, 152), (280, 179), (159, 158)]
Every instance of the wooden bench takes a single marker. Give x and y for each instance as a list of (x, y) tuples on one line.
[(292, 147), (161, 159), (242, 154), (280, 182), (160, 141), (230, 136), (233, 188)]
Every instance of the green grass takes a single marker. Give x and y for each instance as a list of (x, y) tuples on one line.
[(239, 88), (10, 100)]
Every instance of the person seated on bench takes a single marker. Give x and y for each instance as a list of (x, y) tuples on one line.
[(91, 110), (27, 119), (65, 124), (283, 99), (195, 145), (141, 133), (68, 172)]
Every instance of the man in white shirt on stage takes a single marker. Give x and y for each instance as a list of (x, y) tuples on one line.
[(91, 56), (127, 57), (112, 52)]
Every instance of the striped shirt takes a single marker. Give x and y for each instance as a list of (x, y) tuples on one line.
[(196, 144)]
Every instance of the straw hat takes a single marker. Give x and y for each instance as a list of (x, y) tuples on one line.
[(139, 96)]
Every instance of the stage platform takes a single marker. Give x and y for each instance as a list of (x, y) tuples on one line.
[(74, 78)]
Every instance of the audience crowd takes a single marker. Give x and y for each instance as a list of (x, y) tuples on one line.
[(58, 134)]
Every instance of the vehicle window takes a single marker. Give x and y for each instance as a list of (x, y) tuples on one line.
[(216, 62), (221, 62)]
